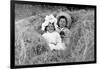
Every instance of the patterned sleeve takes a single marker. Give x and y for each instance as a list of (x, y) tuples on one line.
[(67, 33)]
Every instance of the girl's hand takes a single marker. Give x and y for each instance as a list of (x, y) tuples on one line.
[(53, 43)]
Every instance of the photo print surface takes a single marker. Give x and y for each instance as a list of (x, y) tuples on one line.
[(52, 34)]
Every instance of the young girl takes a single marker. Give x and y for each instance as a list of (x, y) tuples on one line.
[(51, 36)]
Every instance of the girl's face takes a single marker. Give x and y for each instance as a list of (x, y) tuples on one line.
[(50, 28), (62, 22)]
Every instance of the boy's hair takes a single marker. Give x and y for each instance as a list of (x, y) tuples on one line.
[(59, 20), (47, 26)]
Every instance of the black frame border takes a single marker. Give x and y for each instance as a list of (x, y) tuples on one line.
[(12, 34)]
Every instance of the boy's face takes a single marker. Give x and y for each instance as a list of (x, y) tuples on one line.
[(62, 22), (50, 28)]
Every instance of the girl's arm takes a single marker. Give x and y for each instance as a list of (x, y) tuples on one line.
[(67, 33)]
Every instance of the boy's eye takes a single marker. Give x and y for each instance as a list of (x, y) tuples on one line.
[(51, 26)]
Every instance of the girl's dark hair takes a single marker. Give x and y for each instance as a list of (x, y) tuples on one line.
[(47, 26), (59, 20)]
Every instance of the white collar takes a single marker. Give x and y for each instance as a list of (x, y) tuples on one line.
[(61, 28)]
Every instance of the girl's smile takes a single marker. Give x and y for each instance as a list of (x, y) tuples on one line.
[(50, 27)]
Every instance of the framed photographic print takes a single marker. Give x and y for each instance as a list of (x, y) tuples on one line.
[(52, 34)]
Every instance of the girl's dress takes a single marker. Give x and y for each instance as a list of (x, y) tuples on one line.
[(54, 40)]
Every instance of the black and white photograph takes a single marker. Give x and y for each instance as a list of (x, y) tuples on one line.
[(50, 34)]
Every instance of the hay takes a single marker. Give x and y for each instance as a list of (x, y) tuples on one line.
[(31, 48)]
